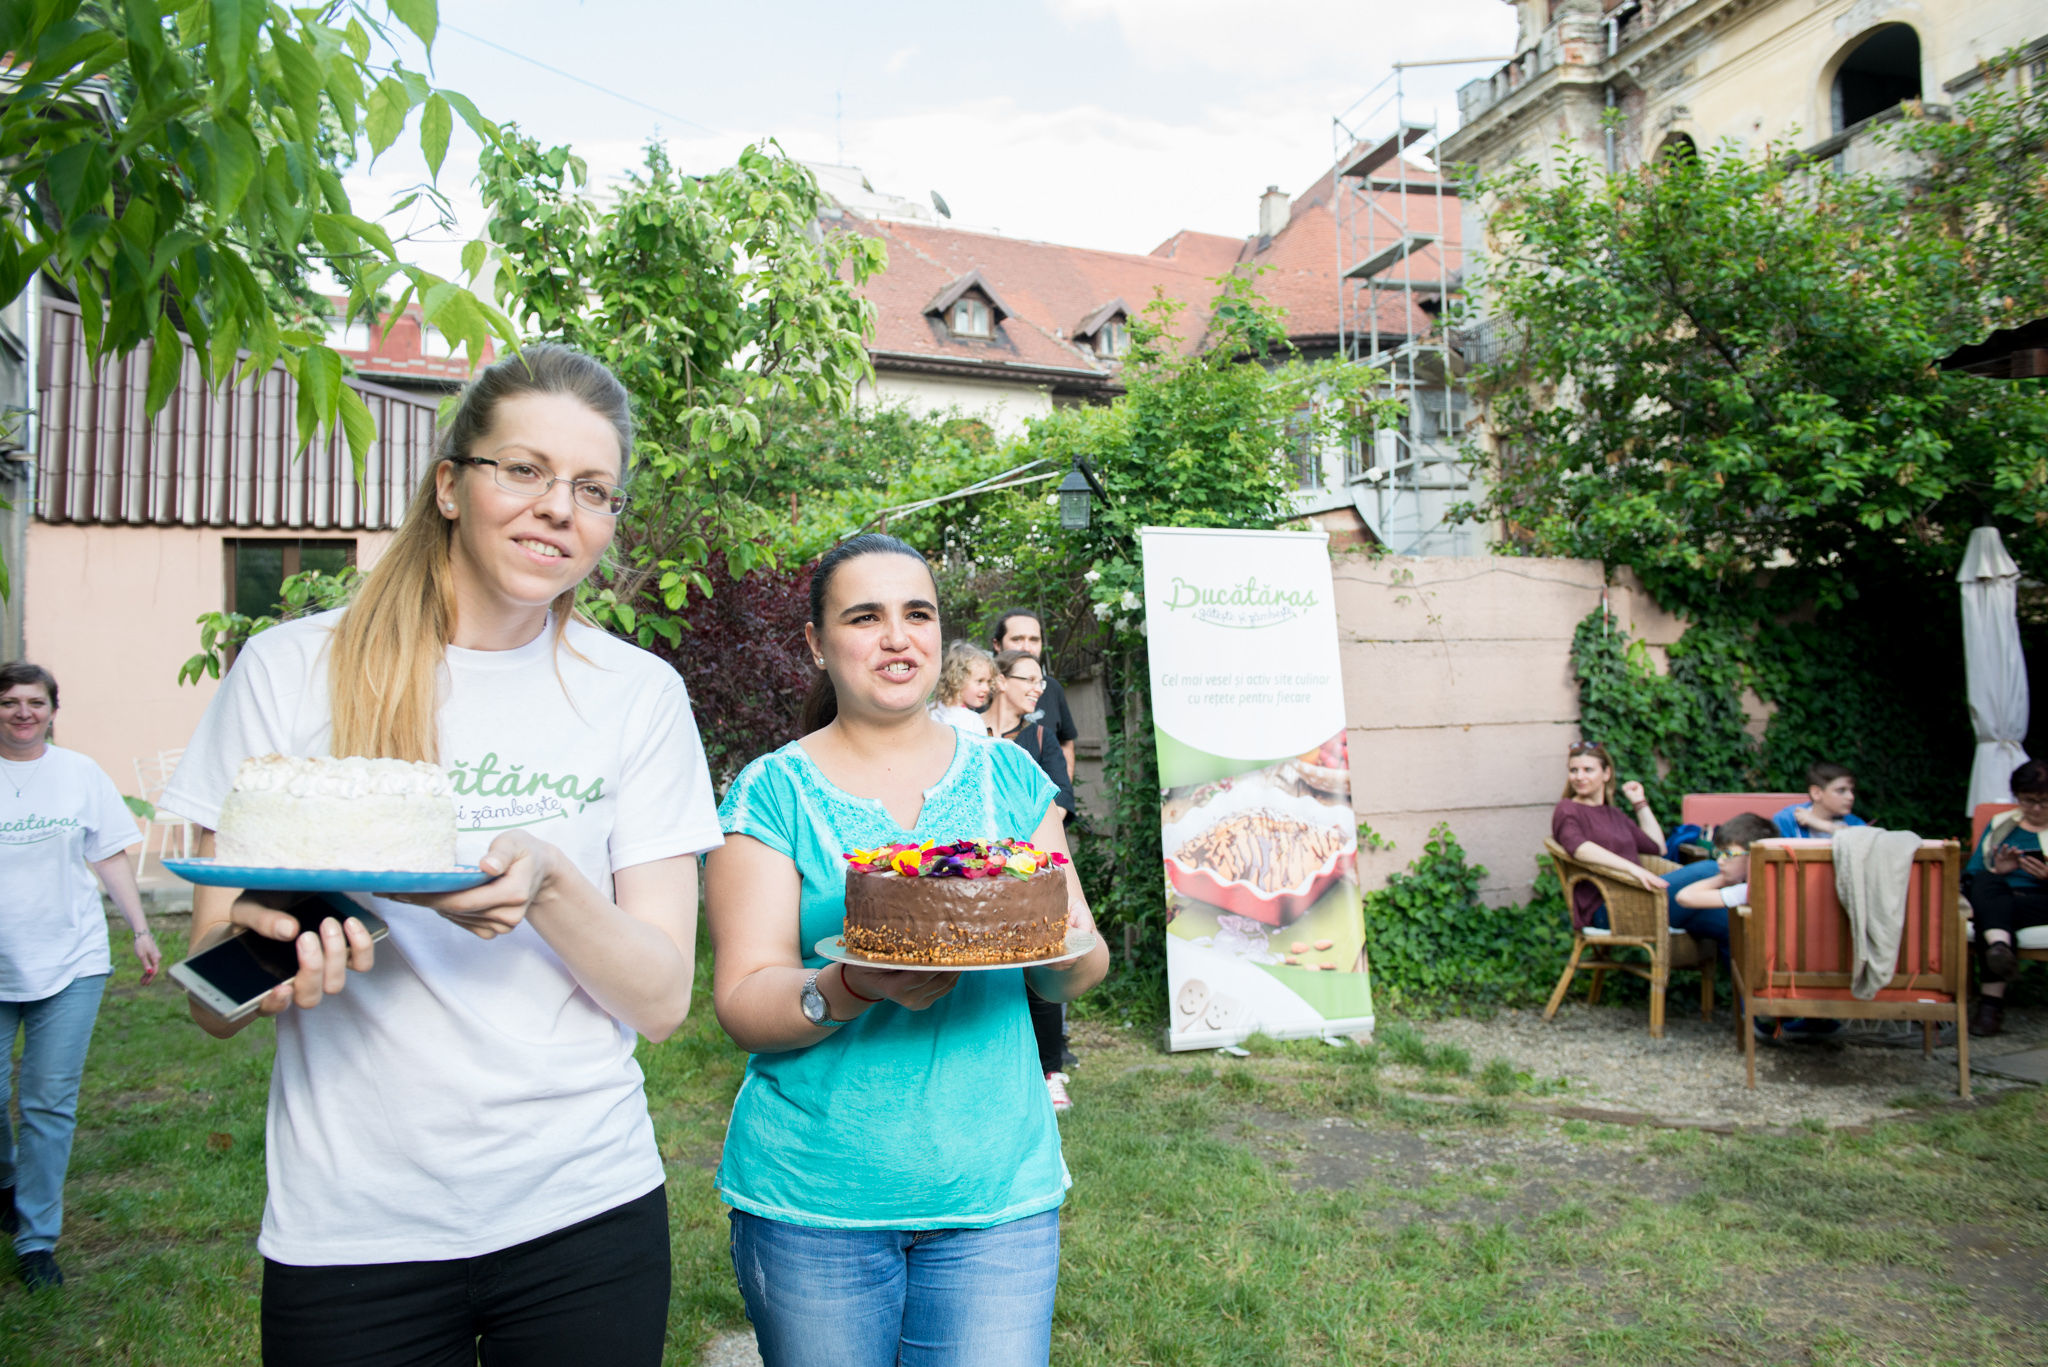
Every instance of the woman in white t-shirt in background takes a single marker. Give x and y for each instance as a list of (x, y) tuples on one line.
[(458, 1140), (61, 820)]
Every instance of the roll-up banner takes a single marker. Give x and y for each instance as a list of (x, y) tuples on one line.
[(1265, 933)]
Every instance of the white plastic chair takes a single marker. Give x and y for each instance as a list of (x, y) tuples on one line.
[(162, 831)]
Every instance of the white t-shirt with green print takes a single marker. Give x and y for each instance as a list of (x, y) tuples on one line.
[(466, 1095), (59, 815)]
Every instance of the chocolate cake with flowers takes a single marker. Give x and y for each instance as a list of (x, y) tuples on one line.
[(968, 902)]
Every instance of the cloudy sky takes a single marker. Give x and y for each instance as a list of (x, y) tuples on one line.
[(1105, 123)]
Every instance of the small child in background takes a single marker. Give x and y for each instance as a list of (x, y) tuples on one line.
[(967, 673), (1830, 806)]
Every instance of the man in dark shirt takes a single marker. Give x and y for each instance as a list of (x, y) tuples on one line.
[(1021, 630), (1018, 629)]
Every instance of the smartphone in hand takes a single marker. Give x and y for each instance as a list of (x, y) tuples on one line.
[(232, 978)]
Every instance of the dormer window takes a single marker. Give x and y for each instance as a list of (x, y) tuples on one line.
[(1106, 330), (970, 318), (969, 307)]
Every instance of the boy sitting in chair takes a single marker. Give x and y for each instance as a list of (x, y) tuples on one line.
[(1701, 901), (1830, 806)]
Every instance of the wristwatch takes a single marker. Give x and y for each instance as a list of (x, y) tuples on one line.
[(816, 1010)]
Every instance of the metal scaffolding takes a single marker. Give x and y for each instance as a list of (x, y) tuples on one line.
[(1400, 257)]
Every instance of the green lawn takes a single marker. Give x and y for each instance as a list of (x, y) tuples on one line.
[(1304, 1205)]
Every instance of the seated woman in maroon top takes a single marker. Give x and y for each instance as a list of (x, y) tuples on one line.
[(1592, 830)]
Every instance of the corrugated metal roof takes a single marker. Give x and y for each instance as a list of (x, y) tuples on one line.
[(226, 459)]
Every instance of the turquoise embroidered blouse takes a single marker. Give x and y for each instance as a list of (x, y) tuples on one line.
[(933, 1119)]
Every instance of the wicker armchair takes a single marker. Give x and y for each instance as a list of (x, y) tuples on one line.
[(1639, 918)]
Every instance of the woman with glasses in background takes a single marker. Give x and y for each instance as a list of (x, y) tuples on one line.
[(459, 1151), (1590, 828), (1015, 716), (2007, 883)]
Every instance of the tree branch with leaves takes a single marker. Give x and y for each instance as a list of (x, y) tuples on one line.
[(166, 165), (719, 301)]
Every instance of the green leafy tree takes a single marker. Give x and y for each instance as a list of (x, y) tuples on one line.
[(221, 634), (722, 306), (1720, 370), (1722, 365), (177, 169)]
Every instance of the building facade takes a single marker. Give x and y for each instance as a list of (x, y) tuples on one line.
[(1818, 77), (134, 526)]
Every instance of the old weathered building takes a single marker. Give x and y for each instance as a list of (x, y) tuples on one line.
[(1820, 77)]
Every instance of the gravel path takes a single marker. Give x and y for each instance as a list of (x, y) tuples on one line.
[(1696, 1070)]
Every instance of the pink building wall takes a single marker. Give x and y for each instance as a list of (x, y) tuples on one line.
[(111, 612)]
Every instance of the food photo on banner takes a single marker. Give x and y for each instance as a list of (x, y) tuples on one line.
[(1265, 931)]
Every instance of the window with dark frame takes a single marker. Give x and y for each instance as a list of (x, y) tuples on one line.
[(970, 317), (258, 567)]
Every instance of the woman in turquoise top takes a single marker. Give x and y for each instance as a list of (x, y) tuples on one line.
[(893, 1162)]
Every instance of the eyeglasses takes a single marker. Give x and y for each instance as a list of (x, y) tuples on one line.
[(1587, 747), (525, 478)]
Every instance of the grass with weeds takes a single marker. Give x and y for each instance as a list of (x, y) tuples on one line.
[(1185, 1240)]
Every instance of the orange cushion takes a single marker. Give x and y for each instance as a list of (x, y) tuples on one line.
[(1711, 809), (1842, 994), (1823, 945), (1981, 818)]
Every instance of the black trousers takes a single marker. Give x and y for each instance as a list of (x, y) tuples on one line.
[(1049, 1029), (596, 1293), (2001, 906)]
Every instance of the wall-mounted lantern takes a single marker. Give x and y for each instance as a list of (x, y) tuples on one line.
[(1076, 491)]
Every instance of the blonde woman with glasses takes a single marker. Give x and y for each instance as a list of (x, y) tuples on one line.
[(459, 1153)]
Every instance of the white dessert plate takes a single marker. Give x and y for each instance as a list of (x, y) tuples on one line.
[(214, 874), (1079, 942)]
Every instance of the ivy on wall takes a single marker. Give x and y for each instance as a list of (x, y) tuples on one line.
[(1432, 942), (1875, 684)]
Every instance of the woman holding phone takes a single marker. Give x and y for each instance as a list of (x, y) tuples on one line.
[(61, 821), (459, 1154), (892, 1162)]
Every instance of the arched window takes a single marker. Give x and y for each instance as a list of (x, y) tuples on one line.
[(1677, 145), (1877, 74)]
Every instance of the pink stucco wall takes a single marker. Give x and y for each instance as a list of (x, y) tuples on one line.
[(110, 611), (1459, 689)]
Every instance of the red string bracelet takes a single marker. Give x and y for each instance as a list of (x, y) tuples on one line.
[(853, 994)]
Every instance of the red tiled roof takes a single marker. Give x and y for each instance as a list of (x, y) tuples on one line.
[(1205, 252), (1049, 290)]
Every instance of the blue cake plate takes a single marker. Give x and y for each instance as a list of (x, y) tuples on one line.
[(1079, 942), (214, 874)]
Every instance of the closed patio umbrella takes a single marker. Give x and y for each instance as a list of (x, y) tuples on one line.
[(1993, 665)]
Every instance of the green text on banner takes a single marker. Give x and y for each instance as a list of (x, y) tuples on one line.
[(1265, 934)]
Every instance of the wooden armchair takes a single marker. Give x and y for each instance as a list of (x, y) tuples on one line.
[(1639, 918), (1792, 952)]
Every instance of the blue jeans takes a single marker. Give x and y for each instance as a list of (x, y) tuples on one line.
[(1704, 923), (57, 1030), (883, 1297)]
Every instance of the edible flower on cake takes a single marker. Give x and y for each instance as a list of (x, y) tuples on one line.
[(957, 859)]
